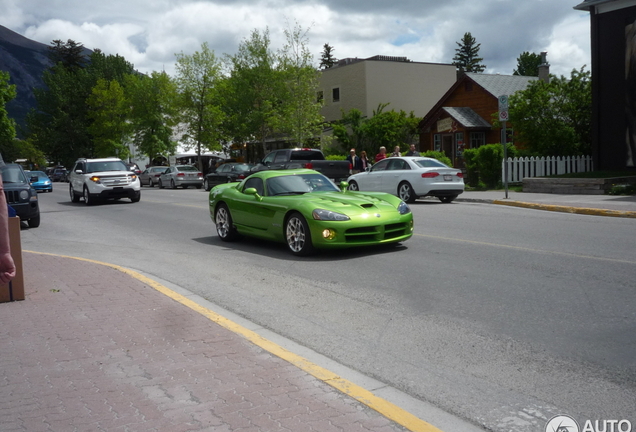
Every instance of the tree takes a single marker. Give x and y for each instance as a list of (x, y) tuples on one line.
[(554, 119), (466, 56), (327, 60), (197, 76), (7, 124), (300, 111), (69, 54), (528, 64), (110, 113), (153, 102)]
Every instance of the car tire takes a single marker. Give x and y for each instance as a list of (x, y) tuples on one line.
[(34, 222), (136, 198), (150, 183), (87, 197), (206, 185), (447, 199), (406, 193), (161, 186), (353, 186), (172, 185), (224, 225), (74, 197), (298, 236)]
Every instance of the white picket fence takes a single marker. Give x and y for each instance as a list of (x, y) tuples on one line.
[(518, 168)]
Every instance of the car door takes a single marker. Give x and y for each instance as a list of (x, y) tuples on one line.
[(250, 211), (372, 180), (395, 173)]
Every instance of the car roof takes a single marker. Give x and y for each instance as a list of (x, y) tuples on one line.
[(280, 173)]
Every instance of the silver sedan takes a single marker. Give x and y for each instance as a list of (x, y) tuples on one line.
[(181, 175)]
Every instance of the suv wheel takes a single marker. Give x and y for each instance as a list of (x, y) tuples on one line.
[(74, 197), (137, 197), (87, 197), (34, 222)]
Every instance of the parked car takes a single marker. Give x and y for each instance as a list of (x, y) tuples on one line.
[(40, 181), (410, 178), (59, 174), (337, 170), (151, 175), (20, 194), (98, 179), (134, 168), (227, 173), (305, 210), (181, 175)]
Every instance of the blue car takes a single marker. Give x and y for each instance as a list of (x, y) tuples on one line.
[(43, 182)]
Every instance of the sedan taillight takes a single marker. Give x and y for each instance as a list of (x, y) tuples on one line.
[(181, 175), (430, 174), (460, 174), (240, 176)]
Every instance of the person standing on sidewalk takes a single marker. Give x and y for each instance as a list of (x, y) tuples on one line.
[(7, 266)]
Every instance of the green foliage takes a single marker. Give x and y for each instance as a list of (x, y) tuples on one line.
[(384, 128), (554, 119), (109, 112), (327, 60), (622, 189), (528, 64), (440, 156), (336, 157), (483, 164), (7, 125), (197, 77), (472, 168), (466, 56)]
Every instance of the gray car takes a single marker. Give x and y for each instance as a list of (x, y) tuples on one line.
[(151, 175), (181, 175)]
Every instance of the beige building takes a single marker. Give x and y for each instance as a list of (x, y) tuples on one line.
[(366, 83)]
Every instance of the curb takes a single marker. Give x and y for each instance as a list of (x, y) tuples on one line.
[(568, 209)]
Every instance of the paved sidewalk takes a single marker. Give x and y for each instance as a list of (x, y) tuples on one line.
[(94, 349)]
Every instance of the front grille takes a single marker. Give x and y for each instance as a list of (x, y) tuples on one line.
[(115, 181), (13, 197), (376, 233)]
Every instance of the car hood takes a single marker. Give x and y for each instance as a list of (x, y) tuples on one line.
[(352, 203)]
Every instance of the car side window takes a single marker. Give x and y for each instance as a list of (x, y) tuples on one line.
[(255, 183), (398, 164), (380, 166), (269, 158), (280, 157)]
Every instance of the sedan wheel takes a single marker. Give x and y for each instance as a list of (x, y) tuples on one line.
[(172, 186), (298, 236), (150, 183), (224, 227), (406, 193), (353, 186), (160, 184)]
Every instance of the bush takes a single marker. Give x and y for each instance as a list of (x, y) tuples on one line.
[(335, 157), (483, 164), (472, 168), (440, 156)]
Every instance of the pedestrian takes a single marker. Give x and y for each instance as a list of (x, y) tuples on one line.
[(7, 266), (365, 161), (396, 152), (412, 151), (381, 155), (355, 161)]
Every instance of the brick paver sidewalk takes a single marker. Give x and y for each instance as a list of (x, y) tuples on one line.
[(93, 349)]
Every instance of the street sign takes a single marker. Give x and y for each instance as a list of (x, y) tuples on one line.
[(503, 108)]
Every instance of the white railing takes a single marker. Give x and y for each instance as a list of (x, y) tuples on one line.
[(518, 168)]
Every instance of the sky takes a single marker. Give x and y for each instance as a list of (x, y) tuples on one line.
[(149, 33)]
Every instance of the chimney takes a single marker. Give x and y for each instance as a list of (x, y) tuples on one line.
[(544, 68)]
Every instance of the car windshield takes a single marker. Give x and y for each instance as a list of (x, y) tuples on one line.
[(13, 174), (299, 184), (39, 174), (92, 167), (242, 167), (429, 163), (187, 168)]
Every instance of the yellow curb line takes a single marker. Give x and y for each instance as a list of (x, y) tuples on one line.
[(386, 408), (567, 209)]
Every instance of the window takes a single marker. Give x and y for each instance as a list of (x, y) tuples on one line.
[(255, 183), (380, 166), (437, 142), (335, 94), (477, 139)]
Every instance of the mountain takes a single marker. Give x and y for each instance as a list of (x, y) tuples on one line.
[(25, 60)]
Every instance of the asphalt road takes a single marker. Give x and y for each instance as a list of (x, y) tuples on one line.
[(503, 316)]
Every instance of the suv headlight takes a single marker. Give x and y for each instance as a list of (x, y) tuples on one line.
[(327, 215), (403, 208), (24, 195), (95, 179)]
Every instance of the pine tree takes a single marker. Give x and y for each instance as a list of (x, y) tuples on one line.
[(327, 60), (466, 55), (528, 64)]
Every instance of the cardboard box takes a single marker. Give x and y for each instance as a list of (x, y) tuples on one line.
[(14, 290)]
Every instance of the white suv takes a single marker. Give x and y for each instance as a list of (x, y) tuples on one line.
[(107, 178)]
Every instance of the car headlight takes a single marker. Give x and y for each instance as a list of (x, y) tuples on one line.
[(327, 215), (404, 208), (24, 195), (95, 179)]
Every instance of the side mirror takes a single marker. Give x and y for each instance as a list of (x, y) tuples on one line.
[(343, 186), (253, 191)]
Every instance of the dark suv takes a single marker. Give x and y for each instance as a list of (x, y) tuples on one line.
[(20, 194)]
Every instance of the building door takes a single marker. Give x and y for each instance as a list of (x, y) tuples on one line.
[(447, 146)]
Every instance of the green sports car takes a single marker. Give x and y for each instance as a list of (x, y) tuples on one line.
[(305, 210)]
